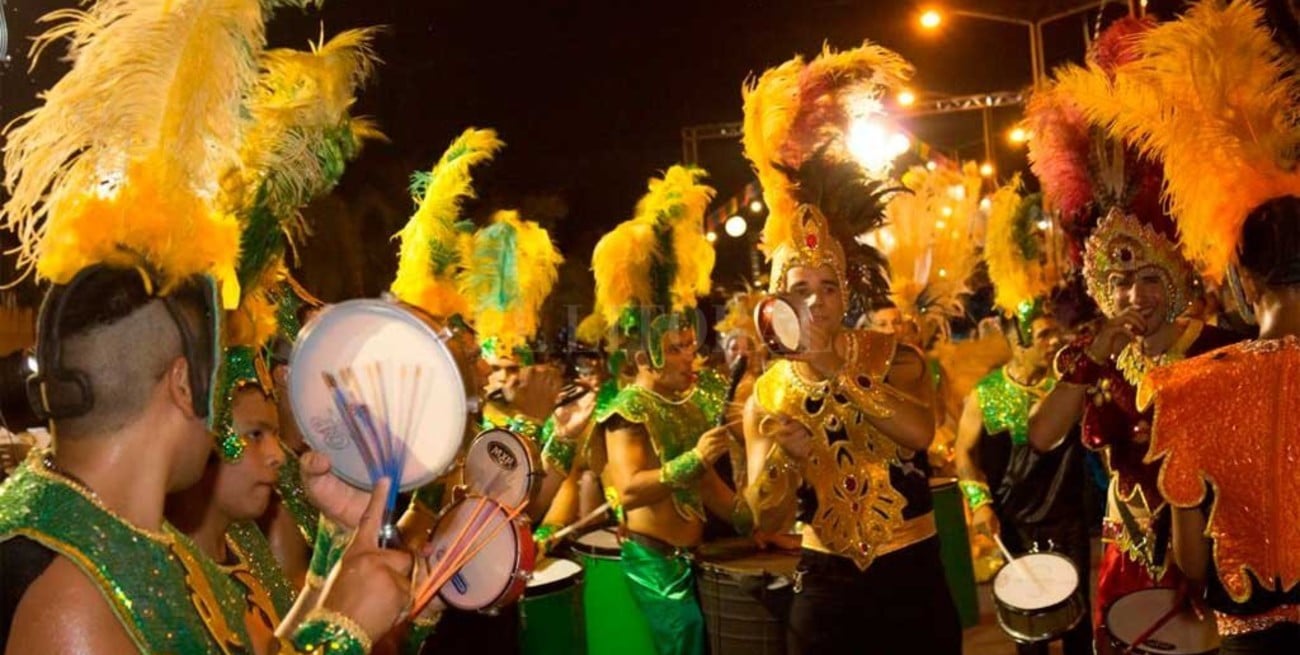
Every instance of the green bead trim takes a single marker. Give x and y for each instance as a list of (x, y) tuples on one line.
[(682, 471), (977, 493), (324, 636)]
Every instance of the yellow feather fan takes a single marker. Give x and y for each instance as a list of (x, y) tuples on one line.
[(121, 162), (511, 270), (660, 258), (1024, 260), (434, 242), (1212, 97), (798, 107), (930, 242)]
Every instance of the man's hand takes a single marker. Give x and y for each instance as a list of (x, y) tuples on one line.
[(371, 585), (339, 501), (537, 391), (1116, 333), (713, 444), (986, 522), (573, 417), (791, 435)]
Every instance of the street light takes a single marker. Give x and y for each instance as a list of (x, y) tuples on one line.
[(736, 226), (986, 169), (906, 98), (756, 206), (711, 236), (1018, 135), (931, 19)]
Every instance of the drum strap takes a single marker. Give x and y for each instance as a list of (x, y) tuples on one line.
[(1146, 545)]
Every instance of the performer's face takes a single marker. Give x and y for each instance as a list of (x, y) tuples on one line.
[(504, 376), (677, 375), (1143, 290), (819, 289), (737, 346), (475, 372), (1045, 339), (589, 370), (243, 488)]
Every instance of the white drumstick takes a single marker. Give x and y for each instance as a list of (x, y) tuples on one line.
[(1011, 561), (569, 529)]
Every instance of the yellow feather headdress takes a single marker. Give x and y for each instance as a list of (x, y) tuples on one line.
[(511, 269), (797, 116), (930, 242), (121, 164), (739, 318), (435, 241), (1213, 97), (1024, 260), (659, 262)]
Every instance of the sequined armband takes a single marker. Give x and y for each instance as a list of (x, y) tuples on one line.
[(615, 505), (1074, 366), (559, 453), (524, 427), (325, 631), (421, 629), (977, 493), (682, 471)]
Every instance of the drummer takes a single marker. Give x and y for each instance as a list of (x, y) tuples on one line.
[(844, 425), (658, 435), (1134, 272)]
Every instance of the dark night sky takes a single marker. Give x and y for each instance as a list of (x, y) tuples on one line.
[(591, 95)]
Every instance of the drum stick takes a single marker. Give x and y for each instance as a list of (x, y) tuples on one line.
[(569, 529), (737, 374), (1011, 561), (454, 565), (1155, 627)]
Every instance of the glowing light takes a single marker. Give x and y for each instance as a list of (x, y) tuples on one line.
[(1018, 135), (957, 192), (906, 98), (756, 206), (986, 169), (946, 211), (931, 19), (874, 145), (930, 165), (736, 226), (711, 236), (943, 272), (939, 225), (986, 205), (1043, 224)]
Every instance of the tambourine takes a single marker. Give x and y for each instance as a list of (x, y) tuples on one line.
[(503, 466), (374, 387), (782, 323)]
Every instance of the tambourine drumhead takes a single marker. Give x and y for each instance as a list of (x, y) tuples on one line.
[(501, 465), (1133, 614), (1036, 581), (483, 580), (357, 334), (554, 570), (780, 325)]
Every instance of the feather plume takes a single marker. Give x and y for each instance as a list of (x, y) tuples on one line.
[(798, 109), (1023, 260), (1212, 97), (511, 269), (122, 160), (930, 242), (434, 241), (1059, 152)]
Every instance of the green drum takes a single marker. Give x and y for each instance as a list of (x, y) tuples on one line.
[(954, 546), (615, 625), (550, 613)]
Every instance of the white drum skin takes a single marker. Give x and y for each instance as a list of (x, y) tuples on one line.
[(498, 574)]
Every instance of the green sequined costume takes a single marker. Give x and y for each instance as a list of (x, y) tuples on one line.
[(294, 496), (268, 582), (152, 582), (1005, 403), (662, 584)]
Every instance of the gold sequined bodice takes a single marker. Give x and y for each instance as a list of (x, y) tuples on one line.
[(858, 509)]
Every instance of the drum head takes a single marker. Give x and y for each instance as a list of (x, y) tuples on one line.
[(485, 578), (770, 562), (1133, 614), (405, 375), (1036, 581), (780, 323), (501, 465), (553, 574), (602, 542)]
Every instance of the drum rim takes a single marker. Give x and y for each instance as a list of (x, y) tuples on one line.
[(602, 552), (392, 309), (1116, 640), (1022, 638), (516, 532), (556, 586), (770, 340), (534, 462), (1078, 586)]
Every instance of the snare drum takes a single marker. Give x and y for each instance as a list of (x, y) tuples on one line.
[(503, 466), (497, 575), (954, 549), (745, 595), (405, 373), (550, 615), (1038, 597), (780, 321), (615, 624), (1132, 615)]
